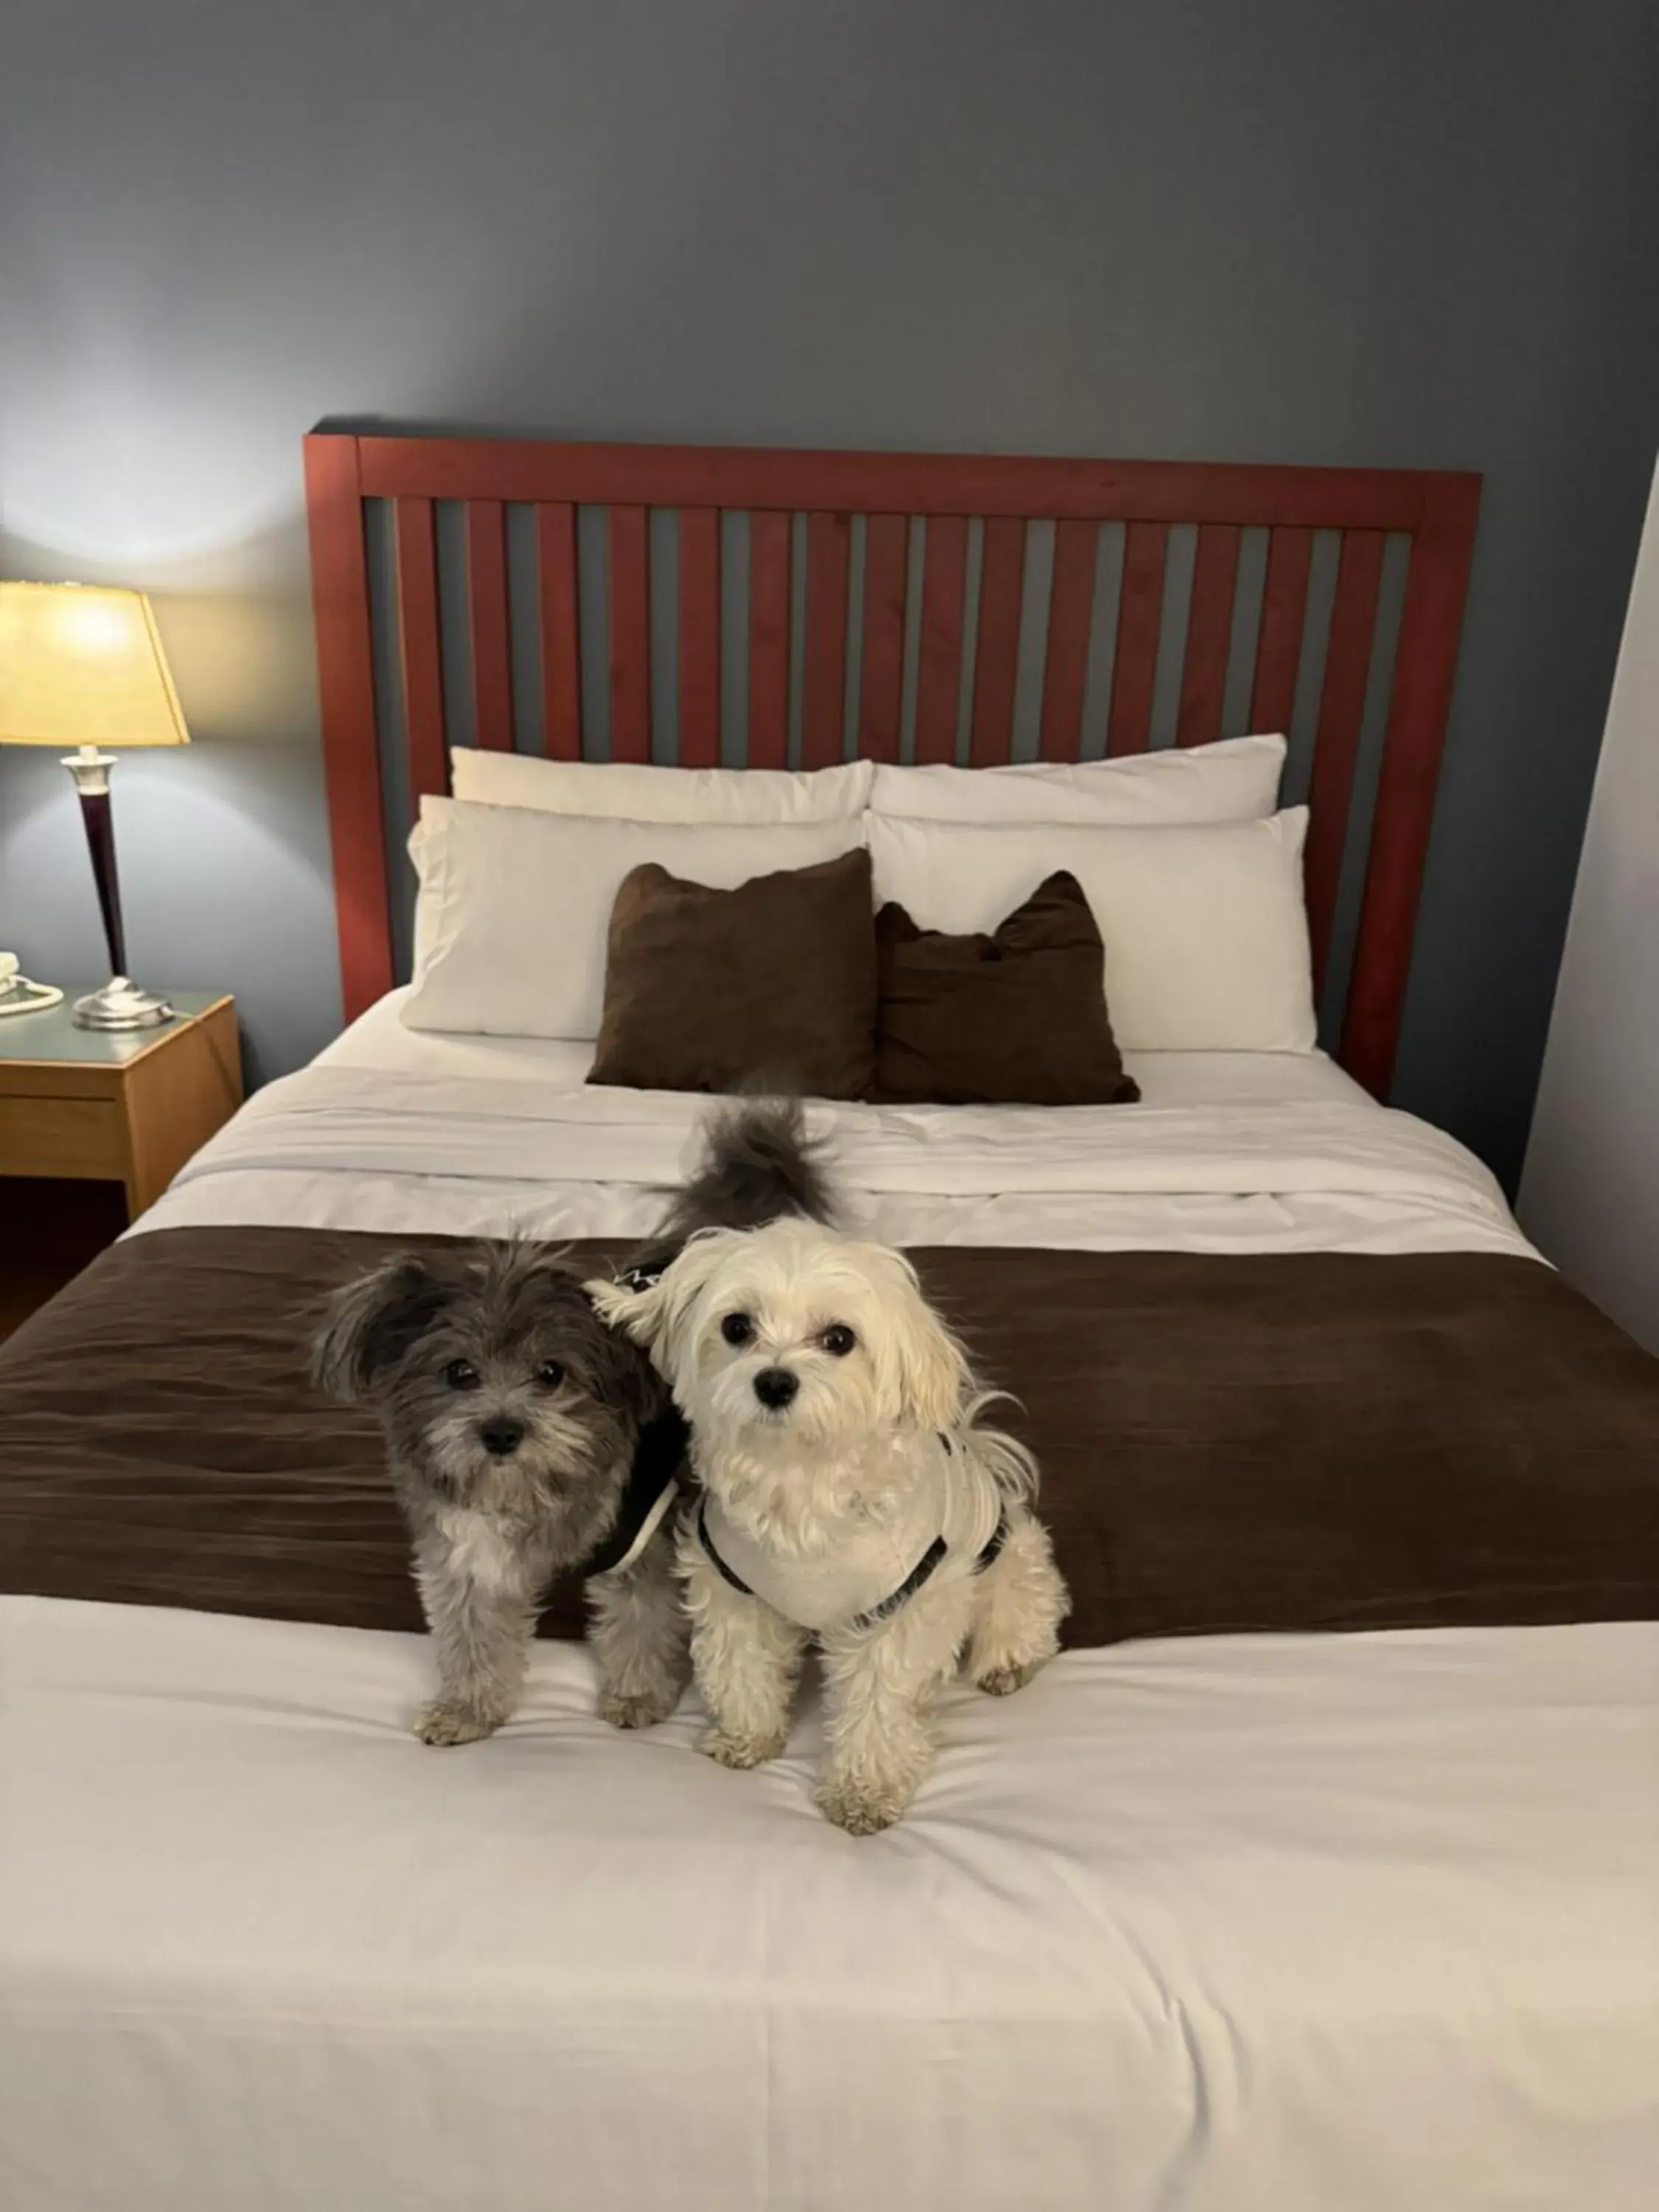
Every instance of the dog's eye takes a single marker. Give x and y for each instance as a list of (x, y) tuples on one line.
[(550, 1374), (461, 1374), (738, 1329), (838, 1340)]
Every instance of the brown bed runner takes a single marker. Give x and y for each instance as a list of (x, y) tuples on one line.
[(1306, 1442)]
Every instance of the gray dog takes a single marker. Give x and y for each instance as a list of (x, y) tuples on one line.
[(528, 1440)]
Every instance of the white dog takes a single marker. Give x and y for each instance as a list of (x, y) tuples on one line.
[(850, 1495)]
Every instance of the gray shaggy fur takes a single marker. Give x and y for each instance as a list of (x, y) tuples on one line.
[(451, 1348)]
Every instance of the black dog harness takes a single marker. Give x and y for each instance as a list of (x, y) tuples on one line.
[(655, 1483)]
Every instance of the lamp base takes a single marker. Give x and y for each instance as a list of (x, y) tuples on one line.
[(121, 1006)]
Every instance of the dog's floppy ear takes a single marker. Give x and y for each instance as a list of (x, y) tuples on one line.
[(629, 1306), (931, 1376), (656, 1314), (371, 1324)]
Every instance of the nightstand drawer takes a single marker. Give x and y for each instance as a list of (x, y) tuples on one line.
[(70, 1137)]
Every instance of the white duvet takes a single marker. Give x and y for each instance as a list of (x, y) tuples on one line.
[(1305, 1924), (343, 1147)]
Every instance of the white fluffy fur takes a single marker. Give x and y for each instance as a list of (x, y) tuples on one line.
[(805, 1479)]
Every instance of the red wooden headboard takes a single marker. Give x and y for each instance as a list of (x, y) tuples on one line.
[(896, 605)]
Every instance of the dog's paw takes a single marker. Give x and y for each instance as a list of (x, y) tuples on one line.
[(623, 1711), (739, 1751), (862, 1809), (1003, 1682), (447, 1721)]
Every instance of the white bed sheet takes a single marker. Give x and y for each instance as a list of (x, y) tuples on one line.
[(1228, 1152), (1243, 1925), (1356, 1923)]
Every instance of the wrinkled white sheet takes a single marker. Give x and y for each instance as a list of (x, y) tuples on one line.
[(1240, 1924), (348, 1147)]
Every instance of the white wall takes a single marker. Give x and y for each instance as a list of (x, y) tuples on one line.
[(1590, 1195)]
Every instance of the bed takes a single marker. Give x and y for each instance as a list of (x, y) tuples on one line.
[(1210, 1916)]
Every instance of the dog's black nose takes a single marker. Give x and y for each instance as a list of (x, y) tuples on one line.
[(501, 1439), (775, 1386)]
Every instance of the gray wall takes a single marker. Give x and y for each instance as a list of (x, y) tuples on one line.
[(1590, 1195), (1290, 230)]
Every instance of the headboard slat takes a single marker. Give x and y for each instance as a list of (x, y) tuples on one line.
[(628, 583), (1336, 743), (1284, 618), (351, 758), (1140, 628), (492, 650), (944, 605), (829, 549), (1209, 634), (771, 550), (1425, 665), (420, 635), (700, 638), (956, 532), (1066, 653), (996, 655), (886, 576), (561, 625)]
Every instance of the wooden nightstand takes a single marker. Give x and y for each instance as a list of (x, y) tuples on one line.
[(129, 1107)]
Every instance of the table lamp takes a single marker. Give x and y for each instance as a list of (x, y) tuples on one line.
[(82, 665)]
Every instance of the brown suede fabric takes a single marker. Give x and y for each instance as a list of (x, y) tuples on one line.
[(1299, 1441), (773, 982), (1015, 1019)]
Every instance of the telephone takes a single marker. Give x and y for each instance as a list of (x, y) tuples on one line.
[(18, 995)]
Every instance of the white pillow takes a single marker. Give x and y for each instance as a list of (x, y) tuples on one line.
[(1234, 781), (1206, 932), (635, 792), (514, 904)]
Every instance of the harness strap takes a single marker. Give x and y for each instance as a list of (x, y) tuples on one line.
[(999, 1537), (912, 1582), (924, 1568), (654, 1483), (730, 1573)]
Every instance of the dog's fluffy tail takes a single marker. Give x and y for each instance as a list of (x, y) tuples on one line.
[(757, 1163)]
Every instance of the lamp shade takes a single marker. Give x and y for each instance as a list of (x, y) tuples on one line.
[(82, 664)]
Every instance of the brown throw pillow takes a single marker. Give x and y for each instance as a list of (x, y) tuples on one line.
[(1015, 1019), (773, 982)]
